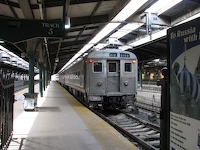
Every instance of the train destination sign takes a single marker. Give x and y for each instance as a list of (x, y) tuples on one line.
[(20, 30)]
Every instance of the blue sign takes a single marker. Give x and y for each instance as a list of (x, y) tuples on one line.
[(184, 45)]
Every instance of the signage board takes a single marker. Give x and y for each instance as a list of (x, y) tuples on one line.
[(184, 45), (20, 30)]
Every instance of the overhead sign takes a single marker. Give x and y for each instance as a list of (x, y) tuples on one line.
[(184, 43), (20, 30)]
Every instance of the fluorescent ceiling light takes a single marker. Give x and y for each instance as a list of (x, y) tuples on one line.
[(140, 41), (168, 6), (83, 50), (104, 32), (126, 29), (125, 47), (67, 23), (162, 5), (100, 46), (126, 12), (159, 34), (147, 39), (189, 19), (67, 26), (156, 60), (129, 9)]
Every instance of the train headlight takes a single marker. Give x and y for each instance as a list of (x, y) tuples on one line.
[(134, 61), (126, 83)]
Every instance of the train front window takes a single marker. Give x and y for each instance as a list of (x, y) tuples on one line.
[(112, 67), (97, 67), (127, 67)]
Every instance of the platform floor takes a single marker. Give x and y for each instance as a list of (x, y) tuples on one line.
[(62, 123)]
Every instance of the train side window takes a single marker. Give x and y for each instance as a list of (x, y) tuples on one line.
[(127, 67), (112, 67), (97, 67)]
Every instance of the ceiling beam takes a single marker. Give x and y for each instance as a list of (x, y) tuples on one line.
[(12, 9), (75, 36), (146, 5), (54, 3), (67, 56), (154, 19), (73, 2), (67, 53), (53, 46), (63, 51), (10, 3), (80, 28), (26, 9), (78, 21), (89, 18), (65, 14), (184, 15), (196, 1), (118, 8), (67, 44), (67, 38)]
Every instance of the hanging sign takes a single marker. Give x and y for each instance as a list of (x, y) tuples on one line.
[(20, 30)]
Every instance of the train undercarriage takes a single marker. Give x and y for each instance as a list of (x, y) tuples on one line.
[(103, 102)]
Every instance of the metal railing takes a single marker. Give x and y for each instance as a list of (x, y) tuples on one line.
[(6, 105)]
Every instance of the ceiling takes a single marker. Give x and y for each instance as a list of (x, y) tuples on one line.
[(87, 18)]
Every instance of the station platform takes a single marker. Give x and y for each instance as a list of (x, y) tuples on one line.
[(62, 123)]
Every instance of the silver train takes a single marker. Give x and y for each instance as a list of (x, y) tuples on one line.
[(105, 78)]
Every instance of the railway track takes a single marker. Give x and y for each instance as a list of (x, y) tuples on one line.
[(148, 107), (144, 135)]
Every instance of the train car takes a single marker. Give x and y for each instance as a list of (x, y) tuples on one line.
[(4, 57), (14, 61), (106, 78)]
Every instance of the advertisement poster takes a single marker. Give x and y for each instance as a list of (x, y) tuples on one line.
[(184, 43)]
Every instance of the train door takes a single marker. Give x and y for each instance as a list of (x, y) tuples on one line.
[(113, 76)]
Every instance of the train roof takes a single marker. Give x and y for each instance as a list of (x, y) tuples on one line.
[(111, 53)]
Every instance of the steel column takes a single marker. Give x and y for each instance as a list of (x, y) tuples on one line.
[(140, 76), (31, 72), (46, 77), (165, 111), (43, 71), (40, 79)]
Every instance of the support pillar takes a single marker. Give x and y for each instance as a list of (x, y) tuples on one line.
[(43, 71), (46, 78), (40, 79), (140, 76), (165, 111), (31, 57), (41, 61), (31, 47)]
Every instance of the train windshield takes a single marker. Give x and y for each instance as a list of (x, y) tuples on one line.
[(112, 67), (127, 67), (97, 67)]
